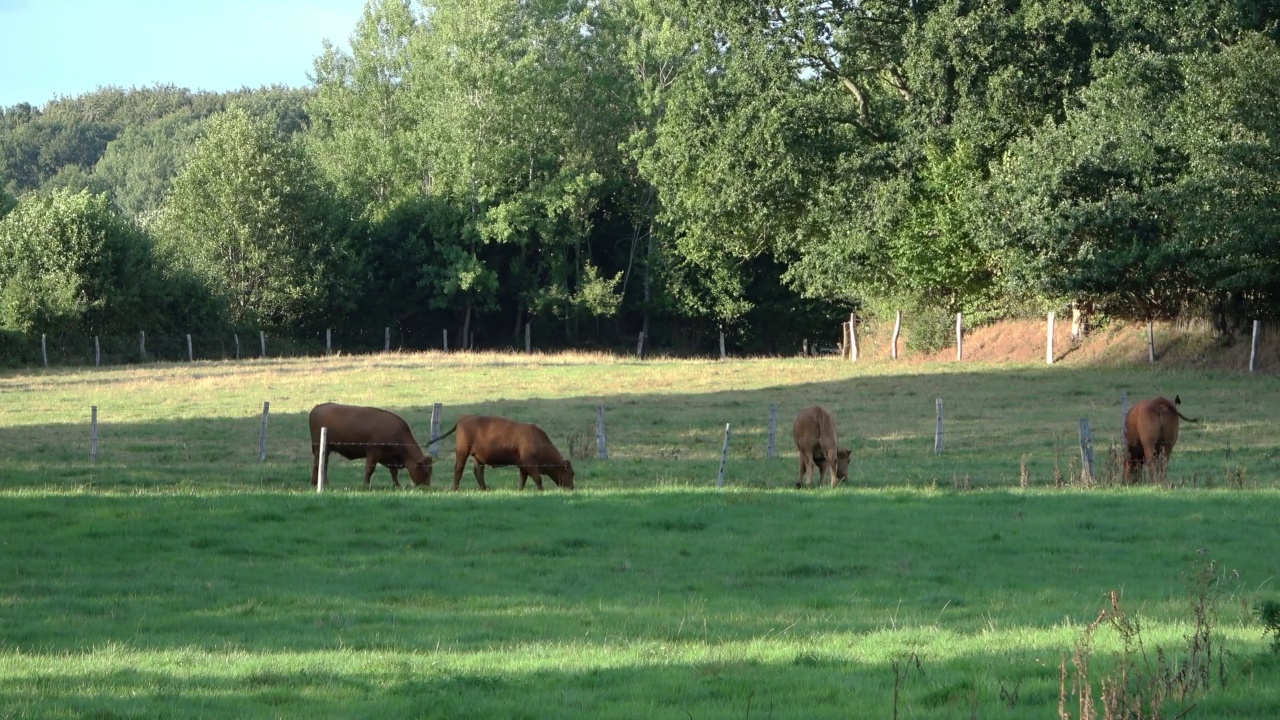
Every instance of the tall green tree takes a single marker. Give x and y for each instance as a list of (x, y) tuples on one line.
[(363, 132), (251, 217), (519, 130)]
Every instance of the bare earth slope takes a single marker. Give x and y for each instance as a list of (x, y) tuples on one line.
[(1183, 345)]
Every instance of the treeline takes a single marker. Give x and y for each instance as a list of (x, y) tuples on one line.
[(603, 168)]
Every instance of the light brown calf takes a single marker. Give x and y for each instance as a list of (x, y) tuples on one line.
[(815, 435)]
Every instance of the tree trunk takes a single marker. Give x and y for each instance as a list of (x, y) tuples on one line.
[(466, 328)]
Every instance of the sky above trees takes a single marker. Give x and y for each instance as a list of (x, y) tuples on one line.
[(50, 49)]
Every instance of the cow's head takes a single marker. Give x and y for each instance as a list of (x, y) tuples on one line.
[(421, 471), (842, 464), (562, 474)]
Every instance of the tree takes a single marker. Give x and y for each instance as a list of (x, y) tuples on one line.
[(69, 262), (138, 167), (250, 217), (518, 130), (1227, 122), (1089, 203), (363, 131)]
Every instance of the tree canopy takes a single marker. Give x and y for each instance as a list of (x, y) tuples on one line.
[(602, 168)]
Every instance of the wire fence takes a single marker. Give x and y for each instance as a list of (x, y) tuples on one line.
[(620, 444)]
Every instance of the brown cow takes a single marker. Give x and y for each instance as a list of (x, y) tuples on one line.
[(376, 435), (500, 442), (1151, 431), (815, 434)]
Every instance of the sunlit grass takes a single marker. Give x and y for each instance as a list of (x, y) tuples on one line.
[(178, 576)]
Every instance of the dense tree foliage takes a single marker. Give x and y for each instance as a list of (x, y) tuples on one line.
[(70, 263), (249, 215), (600, 168)]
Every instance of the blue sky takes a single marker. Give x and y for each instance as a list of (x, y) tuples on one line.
[(70, 47)]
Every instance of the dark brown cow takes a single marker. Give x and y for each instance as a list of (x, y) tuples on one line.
[(376, 435), (1151, 431), (815, 434), (500, 442)]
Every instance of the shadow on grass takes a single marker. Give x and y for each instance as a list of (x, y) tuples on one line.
[(993, 419)]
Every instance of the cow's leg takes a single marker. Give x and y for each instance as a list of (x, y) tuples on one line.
[(370, 464), (458, 465), (807, 466), (524, 475), (800, 477), (478, 469), (315, 464), (536, 475), (395, 473)]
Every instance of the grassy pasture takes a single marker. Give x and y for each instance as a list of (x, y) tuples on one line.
[(178, 577)]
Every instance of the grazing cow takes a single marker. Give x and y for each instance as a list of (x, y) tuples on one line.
[(815, 434), (1151, 431), (376, 435), (500, 442)]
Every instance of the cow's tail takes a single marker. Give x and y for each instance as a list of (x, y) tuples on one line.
[(1178, 401), (441, 437)]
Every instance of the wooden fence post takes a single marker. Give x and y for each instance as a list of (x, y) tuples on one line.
[(937, 436), (142, 345), (436, 409), (322, 460), (1048, 350), (262, 340), (190, 355), (1253, 348), (724, 455), (640, 346), (93, 434), (44, 349), (328, 341), (1086, 451), (1151, 342), (236, 336), (528, 339), (959, 337), (773, 429), (97, 352), (853, 337), (602, 450), (386, 339), (262, 436), (444, 339), (722, 356), (897, 329)]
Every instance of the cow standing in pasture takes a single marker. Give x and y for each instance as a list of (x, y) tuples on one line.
[(500, 442), (815, 435), (1151, 431), (377, 435)]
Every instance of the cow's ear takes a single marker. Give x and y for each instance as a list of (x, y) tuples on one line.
[(1177, 400), (845, 453)]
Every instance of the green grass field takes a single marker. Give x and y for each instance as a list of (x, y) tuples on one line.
[(179, 577)]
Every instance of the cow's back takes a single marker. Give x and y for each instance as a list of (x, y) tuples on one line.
[(1152, 422), (353, 425), (813, 426), (498, 441)]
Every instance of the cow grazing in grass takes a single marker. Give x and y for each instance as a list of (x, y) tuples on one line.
[(500, 442), (815, 434), (376, 435), (1151, 431)]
